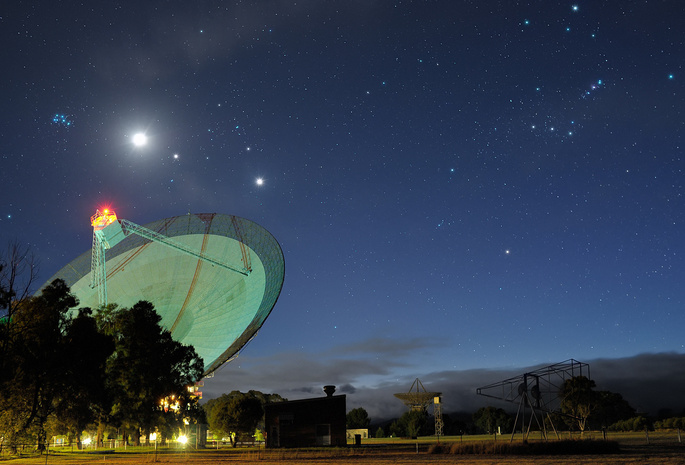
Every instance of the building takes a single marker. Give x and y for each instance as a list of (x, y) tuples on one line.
[(312, 422), (362, 433)]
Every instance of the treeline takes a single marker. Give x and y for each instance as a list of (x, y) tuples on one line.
[(64, 370), (641, 423), (670, 423)]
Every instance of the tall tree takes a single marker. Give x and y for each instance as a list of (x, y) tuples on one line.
[(84, 397), (358, 418), (33, 356), (578, 401), (18, 270), (411, 424), (148, 366)]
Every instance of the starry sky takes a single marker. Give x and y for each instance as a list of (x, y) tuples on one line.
[(458, 186)]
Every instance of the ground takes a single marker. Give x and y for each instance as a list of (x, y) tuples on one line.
[(635, 448)]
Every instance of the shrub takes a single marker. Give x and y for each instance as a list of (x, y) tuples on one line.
[(565, 447), (438, 449)]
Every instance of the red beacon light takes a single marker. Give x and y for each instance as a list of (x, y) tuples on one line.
[(101, 219)]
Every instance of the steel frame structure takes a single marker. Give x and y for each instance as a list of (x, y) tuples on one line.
[(539, 390), (104, 238), (418, 399)]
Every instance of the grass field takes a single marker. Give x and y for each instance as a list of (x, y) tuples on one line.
[(634, 448)]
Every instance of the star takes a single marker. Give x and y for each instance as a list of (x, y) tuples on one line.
[(259, 181)]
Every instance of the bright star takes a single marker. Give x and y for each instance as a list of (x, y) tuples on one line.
[(139, 139), (259, 181), (574, 7)]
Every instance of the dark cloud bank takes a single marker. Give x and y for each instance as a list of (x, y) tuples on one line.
[(650, 382)]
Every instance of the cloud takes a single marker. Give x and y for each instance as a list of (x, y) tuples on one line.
[(383, 347), (649, 382)]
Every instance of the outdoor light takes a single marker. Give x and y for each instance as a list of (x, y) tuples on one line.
[(182, 439), (86, 441), (153, 437)]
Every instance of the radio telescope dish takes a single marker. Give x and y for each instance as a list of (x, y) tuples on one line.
[(202, 302), (417, 399)]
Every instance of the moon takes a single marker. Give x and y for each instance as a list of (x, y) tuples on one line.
[(139, 139)]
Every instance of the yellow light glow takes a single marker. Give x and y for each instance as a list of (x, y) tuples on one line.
[(182, 439), (101, 219)]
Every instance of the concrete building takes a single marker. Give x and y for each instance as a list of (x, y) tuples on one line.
[(311, 422)]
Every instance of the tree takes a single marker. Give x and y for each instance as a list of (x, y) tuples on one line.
[(578, 401), (638, 423), (490, 419), (18, 271), (585, 408), (262, 397), (358, 418), (411, 424), (611, 408), (236, 415), (32, 359), (148, 366), (84, 397), (58, 367)]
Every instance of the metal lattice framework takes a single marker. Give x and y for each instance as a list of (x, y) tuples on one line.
[(202, 303), (437, 413), (417, 398), (539, 390)]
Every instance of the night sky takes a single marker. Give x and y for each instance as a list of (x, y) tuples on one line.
[(458, 187)]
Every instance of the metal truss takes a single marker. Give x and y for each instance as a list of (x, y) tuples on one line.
[(131, 227), (539, 390), (103, 222)]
